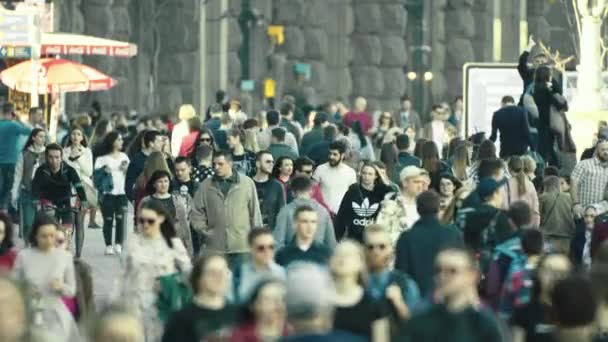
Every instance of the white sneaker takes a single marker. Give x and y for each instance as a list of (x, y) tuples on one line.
[(109, 250), (118, 249)]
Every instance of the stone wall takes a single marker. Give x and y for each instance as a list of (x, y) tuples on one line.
[(379, 52)]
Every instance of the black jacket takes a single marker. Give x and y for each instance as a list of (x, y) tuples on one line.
[(418, 247), (358, 209), (577, 244), (526, 72), (272, 199), (474, 221), (544, 99), (512, 122), (57, 187), (317, 253)]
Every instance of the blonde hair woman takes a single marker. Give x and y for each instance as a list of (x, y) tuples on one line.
[(349, 271), (182, 129), (520, 188), (251, 140)]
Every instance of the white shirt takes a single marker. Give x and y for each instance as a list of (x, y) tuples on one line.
[(411, 214), (118, 175), (334, 183)]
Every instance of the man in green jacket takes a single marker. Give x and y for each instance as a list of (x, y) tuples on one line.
[(225, 208)]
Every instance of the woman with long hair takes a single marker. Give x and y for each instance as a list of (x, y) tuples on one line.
[(136, 144), (355, 311), (158, 189), (283, 170), (264, 315), (361, 203), (190, 140), (8, 252), (210, 315), (113, 201), (251, 139), (154, 162), (433, 164), (156, 251), (544, 94), (21, 193), (520, 188), (79, 156), (556, 218), (385, 123), (49, 271), (103, 127), (461, 162), (418, 147)]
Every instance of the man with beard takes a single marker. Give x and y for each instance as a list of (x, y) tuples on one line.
[(335, 177), (589, 179), (270, 191)]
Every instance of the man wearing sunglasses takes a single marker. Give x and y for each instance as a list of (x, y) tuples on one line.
[(260, 265), (418, 247), (386, 285), (457, 304)]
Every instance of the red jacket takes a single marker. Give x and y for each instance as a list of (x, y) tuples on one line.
[(364, 118), (7, 260)]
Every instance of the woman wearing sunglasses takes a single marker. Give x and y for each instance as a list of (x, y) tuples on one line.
[(158, 189), (156, 251)]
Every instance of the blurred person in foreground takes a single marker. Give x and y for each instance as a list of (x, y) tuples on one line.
[(457, 305), (309, 291), (116, 324), (209, 317), (574, 308)]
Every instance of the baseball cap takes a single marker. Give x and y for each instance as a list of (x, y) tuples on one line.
[(411, 171), (487, 186)]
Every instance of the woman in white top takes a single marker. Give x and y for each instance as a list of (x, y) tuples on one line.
[(155, 251), (114, 163), (49, 271), (78, 155)]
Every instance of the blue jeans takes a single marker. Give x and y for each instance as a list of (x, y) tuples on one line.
[(7, 175)]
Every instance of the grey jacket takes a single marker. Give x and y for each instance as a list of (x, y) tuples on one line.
[(225, 221), (182, 225), (285, 231)]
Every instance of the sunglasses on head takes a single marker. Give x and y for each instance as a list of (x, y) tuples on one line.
[(262, 248), (379, 246), (146, 221)]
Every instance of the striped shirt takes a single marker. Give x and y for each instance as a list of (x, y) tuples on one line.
[(592, 178)]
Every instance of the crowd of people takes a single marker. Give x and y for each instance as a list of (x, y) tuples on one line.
[(307, 223)]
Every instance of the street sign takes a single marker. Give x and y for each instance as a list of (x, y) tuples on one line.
[(22, 52), (16, 28)]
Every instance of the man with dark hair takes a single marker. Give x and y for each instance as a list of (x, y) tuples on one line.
[(288, 122), (404, 157), (273, 119), (225, 209), (270, 191), (183, 182), (406, 116), (319, 151), (316, 133), (11, 132), (304, 247), (418, 247), (243, 159), (278, 148), (152, 142), (512, 123), (260, 266), (335, 177), (456, 304), (574, 307), (284, 230)]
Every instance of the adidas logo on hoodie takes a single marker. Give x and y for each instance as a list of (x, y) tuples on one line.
[(365, 210)]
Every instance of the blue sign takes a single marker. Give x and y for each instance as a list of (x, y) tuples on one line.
[(15, 28), (21, 52)]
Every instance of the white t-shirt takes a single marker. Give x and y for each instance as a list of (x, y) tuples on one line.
[(118, 175), (334, 183), (411, 214)]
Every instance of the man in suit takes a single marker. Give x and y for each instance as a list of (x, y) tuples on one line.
[(512, 123)]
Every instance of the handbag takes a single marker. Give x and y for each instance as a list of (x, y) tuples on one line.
[(173, 294)]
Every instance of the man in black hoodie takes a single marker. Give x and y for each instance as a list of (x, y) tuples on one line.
[(361, 203)]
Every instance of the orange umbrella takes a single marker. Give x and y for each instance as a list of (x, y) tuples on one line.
[(56, 75)]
